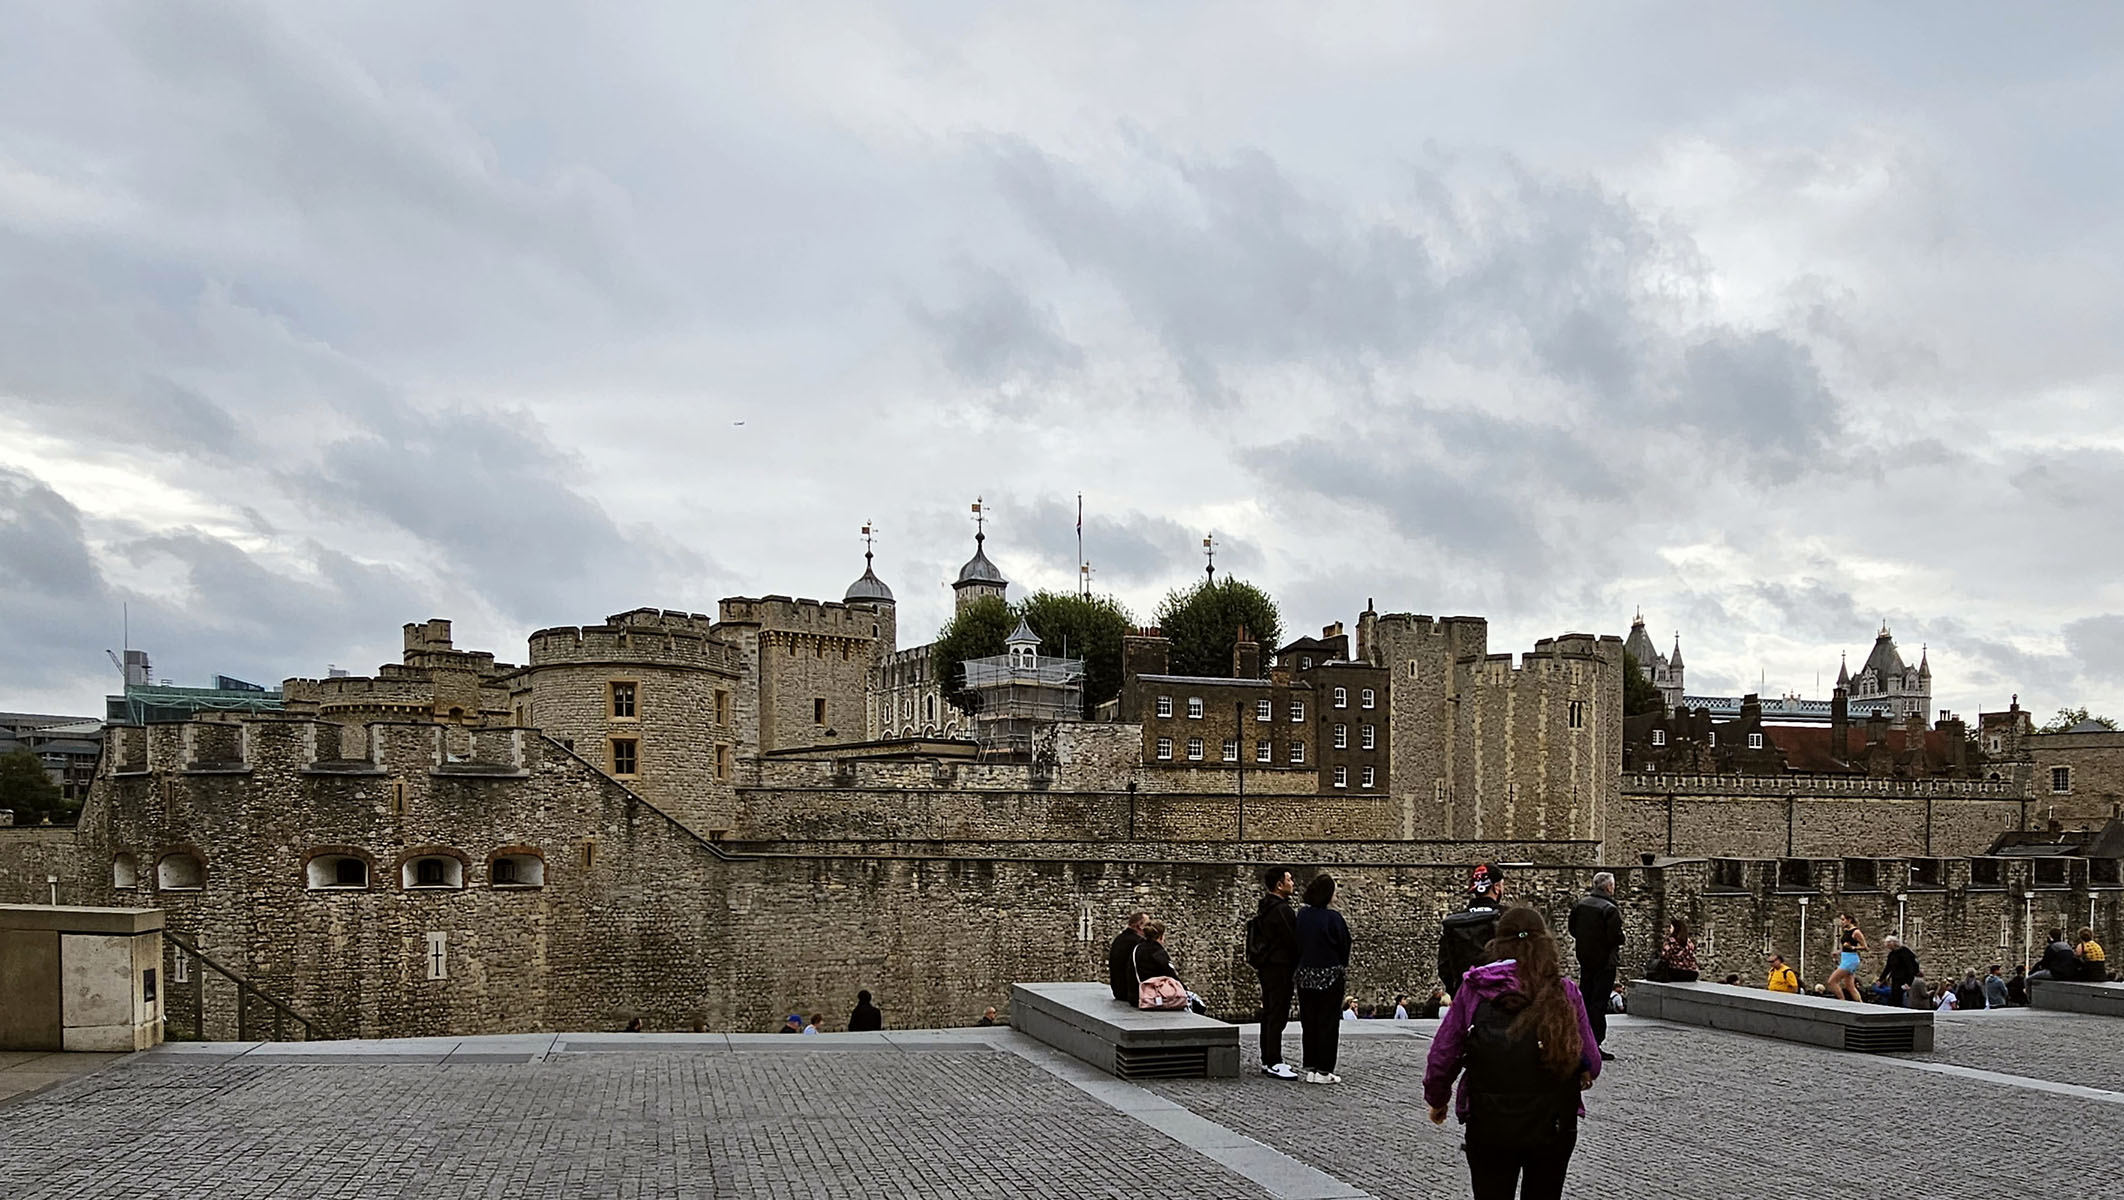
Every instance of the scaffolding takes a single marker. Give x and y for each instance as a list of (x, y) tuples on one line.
[(1017, 693)]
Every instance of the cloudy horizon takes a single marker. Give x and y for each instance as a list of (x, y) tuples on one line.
[(1777, 325)]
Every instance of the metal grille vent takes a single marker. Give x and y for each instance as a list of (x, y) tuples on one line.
[(1176, 1062), (1895, 1039)]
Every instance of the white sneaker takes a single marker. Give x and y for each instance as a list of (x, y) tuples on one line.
[(1321, 1077), (1279, 1070)]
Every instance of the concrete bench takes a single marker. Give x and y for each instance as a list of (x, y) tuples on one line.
[(1815, 1020), (2101, 999), (1084, 1020)]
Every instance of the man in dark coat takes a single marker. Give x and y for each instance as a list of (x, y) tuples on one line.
[(1463, 936), (1272, 948), (1901, 967), (1597, 936), (1121, 957)]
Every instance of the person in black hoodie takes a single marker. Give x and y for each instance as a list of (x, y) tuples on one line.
[(1464, 937), (866, 1018), (1272, 948), (1121, 958)]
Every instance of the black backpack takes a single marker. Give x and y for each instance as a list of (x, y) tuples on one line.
[(1513, 1098), (1969, 994), (1257, 946), (1463, 943)]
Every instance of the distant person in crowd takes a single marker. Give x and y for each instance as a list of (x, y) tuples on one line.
[(1432, 1005), (1818, 990), (2017, 987), (815, 1024), (700, 1024), (1401, 1006), (1596, 926), (1619, 999), (1948, 1002), (1969, 994), (866, 1018), (1677, 955), (1272, 950), (1901, 965), (1522, 1049), (1121, 957), (1732, 980), (2094, 964), (1919, 993), (2058, 962), (1850, 944), (1995, 993), (1321, 977), (1463, 936), (1349, 1010), (793, 1023), (634, 1025), (1883, 990), (1782, 978), (988, 1017), (1154, 963)]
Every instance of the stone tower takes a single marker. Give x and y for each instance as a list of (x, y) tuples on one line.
[(870, 591), (979, 577), (1661, 671), (1908, 690)]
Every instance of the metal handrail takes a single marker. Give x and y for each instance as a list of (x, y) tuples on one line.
[(245, 990)]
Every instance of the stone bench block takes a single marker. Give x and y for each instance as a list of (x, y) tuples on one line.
[(2100, 999), (1085, 1021), (1815, 1020)]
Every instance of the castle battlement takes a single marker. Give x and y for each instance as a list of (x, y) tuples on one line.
[(635, 640), (232, 747), (800, 615)]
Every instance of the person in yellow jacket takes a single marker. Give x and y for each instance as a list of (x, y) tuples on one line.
[(1782, 977), (2094, 964)]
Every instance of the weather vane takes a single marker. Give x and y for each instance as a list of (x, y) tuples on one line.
[(1209, 551)]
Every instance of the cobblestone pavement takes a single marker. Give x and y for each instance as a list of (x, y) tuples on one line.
[(1691, 1112), (1686, 1113), (951, 1121)]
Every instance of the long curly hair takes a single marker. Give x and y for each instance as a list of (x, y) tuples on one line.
[(1549, 1015)]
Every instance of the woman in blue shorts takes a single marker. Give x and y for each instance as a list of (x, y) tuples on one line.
[(1843, 982)]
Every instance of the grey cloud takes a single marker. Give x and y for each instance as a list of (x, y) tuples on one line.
[(1763, 392), (994, 330), (1811, 608), (497, 502), (2096, 645), (1128, 548), (2081, 481)]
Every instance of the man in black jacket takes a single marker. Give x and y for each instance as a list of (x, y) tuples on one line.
[(1901, 967), (1272, 948), (1597, 935), (1464, 936), (2058, 962), (1121, 957)]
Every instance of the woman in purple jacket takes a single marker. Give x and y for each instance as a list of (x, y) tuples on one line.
[(1519, 1041)]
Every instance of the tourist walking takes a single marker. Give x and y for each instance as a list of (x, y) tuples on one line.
[(1464, 937), (866, 1017), (1597, 938), (1902, 965), (1850, 943), (1322, 977), (1521, 1045), (1121, 957), (1782, 978), (1995, 994), (1272, 950)]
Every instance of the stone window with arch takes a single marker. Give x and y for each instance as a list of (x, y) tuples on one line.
[(431, 869), (338, 869), (125, 872), (516, 868), (180, 871)]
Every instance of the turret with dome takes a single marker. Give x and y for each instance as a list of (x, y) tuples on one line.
[(979, 577)]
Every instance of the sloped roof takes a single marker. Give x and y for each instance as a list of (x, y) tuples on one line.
[(1885, 659)]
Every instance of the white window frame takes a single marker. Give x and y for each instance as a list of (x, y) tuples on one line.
[(1342, 777), (1371, 777), (2060, 781), (1165, 749), (1264, 710), (1342, 737), (1755, 741), (1264, 751), (1714, 737), (1342, 697), (1165, 706), (1297, 754), (1194, 708), (1367, 699), (1194, 749), (1659, 737), (1231, 749), (1368, 738), (1297, 712)]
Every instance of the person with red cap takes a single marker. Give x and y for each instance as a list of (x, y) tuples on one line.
[(1464, 937)]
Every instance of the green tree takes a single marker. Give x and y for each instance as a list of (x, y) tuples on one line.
[(1639, 696), (1203, 622), (2069, 717), (25, 788), (1086, 627), (977, 631)]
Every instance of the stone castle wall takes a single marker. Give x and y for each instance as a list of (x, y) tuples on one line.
[(1690, 815), (1540, 743)]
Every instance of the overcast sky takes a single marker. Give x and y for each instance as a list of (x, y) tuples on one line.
[(1777, 321)]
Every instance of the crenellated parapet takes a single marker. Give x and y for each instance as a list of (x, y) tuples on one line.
[(643, 636)]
